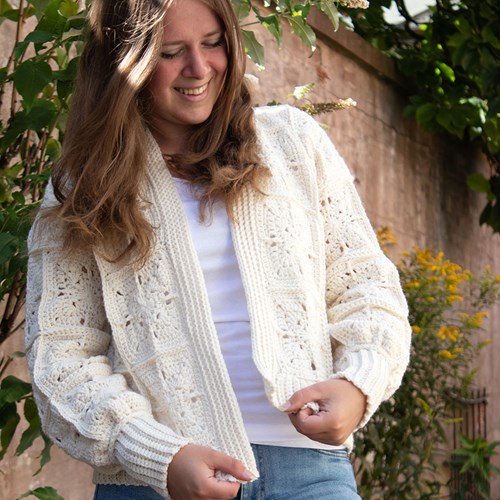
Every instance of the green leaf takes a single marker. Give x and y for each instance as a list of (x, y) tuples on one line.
[(20, 49), (12, 389), (53, 149), (303, 31), (18, 197), (330, 9), (40, 6), (5, 6), (17, 355), (40, 116), (253, 48), (12, 172), (301, 10), (9, 427), (34, 429), (51, 20), (425, 406), (72, 34), (68, 8), (38, 37), (426, 113), (7, 252), (242, 8), (30, 78), (272, 23), (489, 36), (3, 75), (8, 12), (45, 455), (446, 71), (478, 183), (68, 73), (43, 493)]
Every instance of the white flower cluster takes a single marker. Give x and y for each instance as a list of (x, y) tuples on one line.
[(346, 103), (355, 4)]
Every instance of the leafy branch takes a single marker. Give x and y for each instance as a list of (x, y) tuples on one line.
[(451, 60)]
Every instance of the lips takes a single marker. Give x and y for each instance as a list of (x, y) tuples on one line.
[(192, 91)]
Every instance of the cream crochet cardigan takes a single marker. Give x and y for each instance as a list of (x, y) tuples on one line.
[(126, 364)]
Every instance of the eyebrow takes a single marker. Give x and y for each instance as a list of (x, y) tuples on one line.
[(180, 42)]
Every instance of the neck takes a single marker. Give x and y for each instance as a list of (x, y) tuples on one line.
[(171, 142)]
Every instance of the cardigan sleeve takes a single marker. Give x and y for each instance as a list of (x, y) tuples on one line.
[(366, 308), (85, 406)]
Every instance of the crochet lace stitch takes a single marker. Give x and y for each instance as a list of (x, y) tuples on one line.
[(126, 364)]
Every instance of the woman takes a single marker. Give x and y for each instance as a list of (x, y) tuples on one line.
[(208, 312)]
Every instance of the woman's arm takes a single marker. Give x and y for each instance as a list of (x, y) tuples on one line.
[(84, 407), (367, 311)]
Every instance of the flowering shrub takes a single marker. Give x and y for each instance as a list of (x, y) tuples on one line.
[(448, 305)]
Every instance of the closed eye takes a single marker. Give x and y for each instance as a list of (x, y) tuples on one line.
[(218, 43), (171, 55)]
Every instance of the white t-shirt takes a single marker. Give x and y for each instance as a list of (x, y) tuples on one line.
[(264, 423)]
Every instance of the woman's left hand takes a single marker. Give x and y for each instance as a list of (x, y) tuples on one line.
[(341, 408)]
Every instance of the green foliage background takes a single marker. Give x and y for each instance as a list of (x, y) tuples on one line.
[(396, 450), (452, 63)]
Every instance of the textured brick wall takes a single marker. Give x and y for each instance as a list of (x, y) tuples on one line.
[(408, 180)]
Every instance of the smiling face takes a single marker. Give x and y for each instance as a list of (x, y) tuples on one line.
[(190, 73)]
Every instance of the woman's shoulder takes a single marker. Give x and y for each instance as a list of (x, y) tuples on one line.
[(285, 120), (281, 113)]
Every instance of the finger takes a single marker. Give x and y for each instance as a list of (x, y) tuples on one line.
[(308, 428), (309, 424), (222, 489), (301, 398), (229, 465), (321, 428)]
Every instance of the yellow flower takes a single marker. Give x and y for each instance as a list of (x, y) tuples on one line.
[(416, 329), (477, 320), (442, 333), (412, 284), (449, 333), (454, 298), (386, 237), (424, 258), (444, 353)]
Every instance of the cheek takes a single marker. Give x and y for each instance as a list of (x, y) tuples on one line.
[(160, 79), (220, 62)]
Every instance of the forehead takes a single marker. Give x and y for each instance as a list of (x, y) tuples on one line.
[(190, 17)]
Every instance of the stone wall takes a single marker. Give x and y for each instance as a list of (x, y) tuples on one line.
[(411, 181)]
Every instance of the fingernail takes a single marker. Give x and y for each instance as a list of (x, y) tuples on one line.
[(246, 475), (286, 406)]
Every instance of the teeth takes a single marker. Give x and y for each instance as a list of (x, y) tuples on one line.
[(196, 91)]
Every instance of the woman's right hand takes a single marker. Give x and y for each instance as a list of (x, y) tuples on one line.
[(191, 474)]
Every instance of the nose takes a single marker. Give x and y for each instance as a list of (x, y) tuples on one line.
[(197, 65)]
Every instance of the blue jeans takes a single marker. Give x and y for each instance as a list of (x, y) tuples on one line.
[(285, 474)]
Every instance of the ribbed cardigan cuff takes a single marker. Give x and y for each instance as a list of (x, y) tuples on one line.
[(145, 449), (369, 372)]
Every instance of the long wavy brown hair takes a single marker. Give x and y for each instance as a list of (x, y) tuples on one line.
[(98, 178)]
